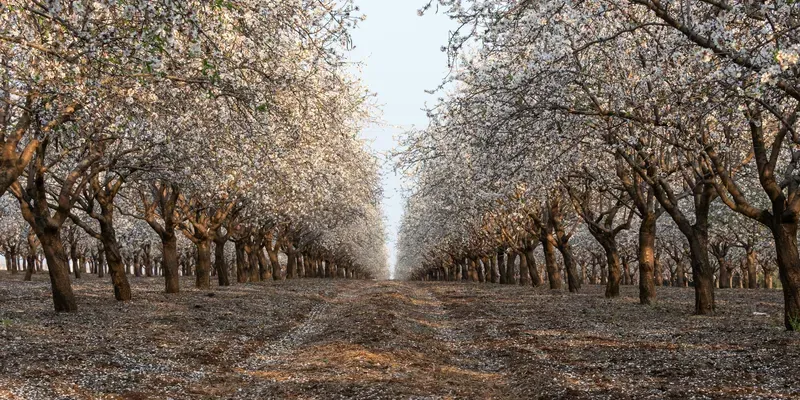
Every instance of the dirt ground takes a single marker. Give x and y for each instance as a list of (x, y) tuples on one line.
[(338, 339)]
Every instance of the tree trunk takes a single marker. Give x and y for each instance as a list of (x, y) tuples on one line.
[(252, 262), (137, 268), (147, 260), (291, 265), (481, 269), (76, 265), (301, 266), (264, 270), (501, 266), (493, 270), (203, 267), (724, 277), (220, 264), (511, 273), (63, 297), (647, 259), (680, 271), (530, 257), (703, 274), (658, 274), (116, 267), (789, 271), (768, 280), (169, 262), (273, 261), (625, 276), (101, 261), (241, 262), (573, 280), (562, 243), (553, 273), (614, 268), (30, 265), (14, 263), (524, 272), (752, 277)]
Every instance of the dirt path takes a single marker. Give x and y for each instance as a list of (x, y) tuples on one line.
[(323, 339), (387, 340)]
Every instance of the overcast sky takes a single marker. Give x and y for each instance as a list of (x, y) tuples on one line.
[(401, 57)]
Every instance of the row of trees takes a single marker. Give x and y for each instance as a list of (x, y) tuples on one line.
[(569, 124), (747, 263), (133, 123)]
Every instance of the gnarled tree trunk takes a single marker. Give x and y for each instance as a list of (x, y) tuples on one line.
[(203, 267), (63, 297), (647, 259), (553, 272)]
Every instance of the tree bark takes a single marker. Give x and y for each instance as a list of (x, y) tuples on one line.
[(493, 270), (116, 266), (785, 235), (169, 260), (291, 265), (553, 273), (76, 265), (570, 266), (562, 243), (252, 262), (30, 265), (301, 265), (219, 261), (14, 262), (614, 267), (203, 267), (481, 267), (63, 297), (241, 262), (530, 257), (501, 266), (101, 261), (137, 269), (147, 261), (524, 272), (273, 261), (647, 259), (511, 273), (264, 270), (702, 273), (680, 271)]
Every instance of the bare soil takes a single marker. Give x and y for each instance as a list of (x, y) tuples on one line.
[(340, 339)]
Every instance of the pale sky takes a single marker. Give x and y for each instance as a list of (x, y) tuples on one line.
[(401, 57)]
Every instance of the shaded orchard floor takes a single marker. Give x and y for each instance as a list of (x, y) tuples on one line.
[(346, 339)]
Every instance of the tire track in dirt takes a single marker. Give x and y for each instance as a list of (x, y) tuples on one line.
[(313, 324), (379, 340), (467, 338)]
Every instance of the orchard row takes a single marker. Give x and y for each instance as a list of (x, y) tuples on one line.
[(157, 130), (659, 135)]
